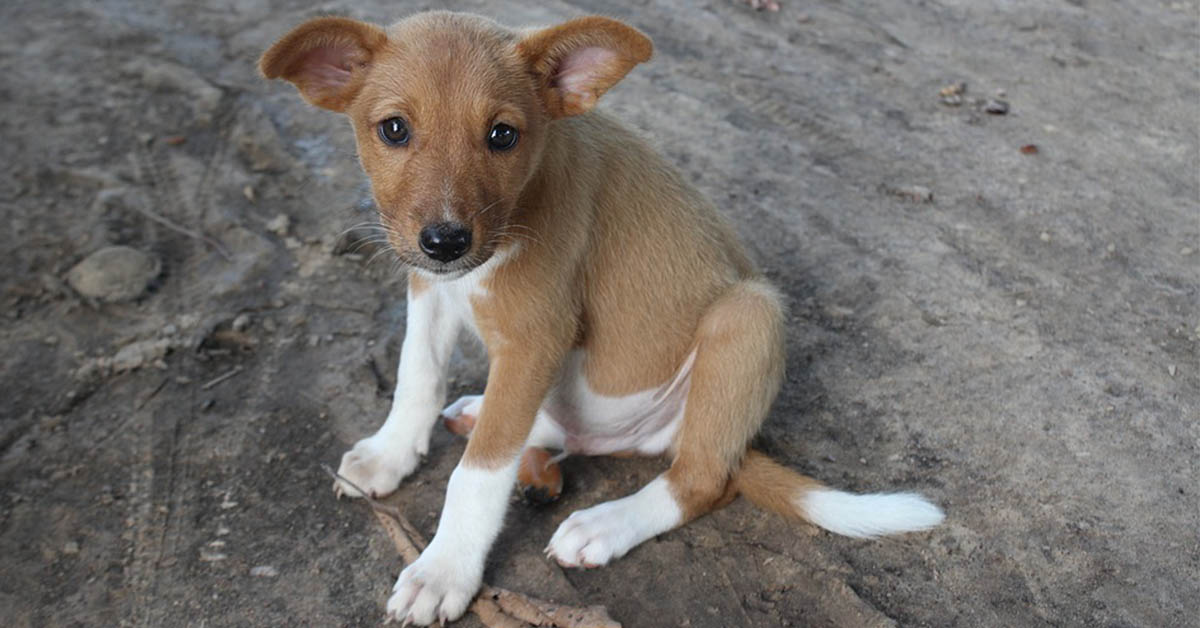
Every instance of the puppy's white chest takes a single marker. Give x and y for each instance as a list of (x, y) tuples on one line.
[(454, 296)]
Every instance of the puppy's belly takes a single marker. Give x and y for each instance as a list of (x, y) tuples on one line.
[(644, 422)]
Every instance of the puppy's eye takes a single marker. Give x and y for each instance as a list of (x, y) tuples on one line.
[(502, 137), (393, 131)]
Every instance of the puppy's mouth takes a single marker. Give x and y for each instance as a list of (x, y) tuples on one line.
[(444, 270)]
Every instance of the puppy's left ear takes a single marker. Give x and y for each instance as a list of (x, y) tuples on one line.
[(577, 61)]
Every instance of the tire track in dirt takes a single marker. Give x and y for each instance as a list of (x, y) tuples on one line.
[(158, 482)]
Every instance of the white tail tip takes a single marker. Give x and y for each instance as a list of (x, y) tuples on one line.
[(866, 516)]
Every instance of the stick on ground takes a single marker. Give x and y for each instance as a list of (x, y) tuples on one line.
[(496, 608)]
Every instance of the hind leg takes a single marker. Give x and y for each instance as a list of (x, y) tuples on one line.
[(736, 374), (539, 478)]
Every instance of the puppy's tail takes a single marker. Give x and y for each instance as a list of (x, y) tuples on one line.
[(771, 486)]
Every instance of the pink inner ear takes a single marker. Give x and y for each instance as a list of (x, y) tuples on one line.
[(328, 66), (579, 70)]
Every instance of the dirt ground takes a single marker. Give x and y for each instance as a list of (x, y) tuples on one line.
[(1011, 331)]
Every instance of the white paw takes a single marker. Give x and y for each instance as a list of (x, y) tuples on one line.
[(593, 537), (435, 588), (376, 465), (467, 404)]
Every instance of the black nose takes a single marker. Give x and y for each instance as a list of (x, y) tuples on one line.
[(445, 241)]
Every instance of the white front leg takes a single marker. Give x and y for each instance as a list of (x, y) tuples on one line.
[(379, 462), (442, 582)]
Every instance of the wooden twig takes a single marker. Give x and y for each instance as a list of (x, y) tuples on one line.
[(174, 226), (496, 607), (220, 378), (543, 613)]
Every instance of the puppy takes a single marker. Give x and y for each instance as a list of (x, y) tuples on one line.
[(619, 312)]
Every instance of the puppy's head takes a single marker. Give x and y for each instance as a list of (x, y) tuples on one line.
[(450, 113)]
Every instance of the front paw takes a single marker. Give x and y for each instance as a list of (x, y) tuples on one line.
[(376, 465), (592, 537), (434, 588)]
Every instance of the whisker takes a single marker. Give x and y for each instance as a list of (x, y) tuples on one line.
[(359, 245), (376, 255), (361, 225), (521, 232), (485, 209)]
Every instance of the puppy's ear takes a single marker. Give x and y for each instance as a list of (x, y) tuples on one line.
[(577, 61), (325, 58)]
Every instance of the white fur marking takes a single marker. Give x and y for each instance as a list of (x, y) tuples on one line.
[(866, 516), (435, 316), (594, 424), (440, 584), (595, 536), (378, 463), (545, 433)]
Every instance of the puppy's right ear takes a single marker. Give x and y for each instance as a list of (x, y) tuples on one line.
[(325, 58)]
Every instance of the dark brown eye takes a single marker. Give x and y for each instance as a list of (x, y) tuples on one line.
[(393, 131), (502, 137)]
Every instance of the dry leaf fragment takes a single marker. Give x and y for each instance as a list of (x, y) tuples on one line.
[(496, 608)]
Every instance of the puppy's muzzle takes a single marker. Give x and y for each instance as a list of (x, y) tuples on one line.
[(445, 241)]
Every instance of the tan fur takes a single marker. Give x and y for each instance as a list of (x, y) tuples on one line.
[(538, 476), (544, 51), (615, 253), (738, 369), (772, 486), (350, 45)]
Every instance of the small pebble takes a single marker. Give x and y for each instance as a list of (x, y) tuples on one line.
[(280, 224), (953, 94), (1171, 369), (952, 100), (995, 106), (71, 548), (1029, 149), (1044, 237), (115, 273), (241, 322), (1187, 250), (915, 193), (264, 571)]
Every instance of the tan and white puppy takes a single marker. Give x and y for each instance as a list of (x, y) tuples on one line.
[(619, 312)]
